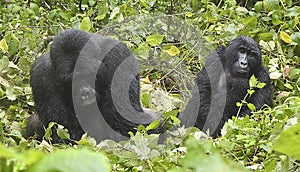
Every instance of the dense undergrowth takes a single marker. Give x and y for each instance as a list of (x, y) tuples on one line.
[(170, 39)]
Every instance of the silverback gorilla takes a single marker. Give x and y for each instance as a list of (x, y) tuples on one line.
[(223, 82), (86, 74)]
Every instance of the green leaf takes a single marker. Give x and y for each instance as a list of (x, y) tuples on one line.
[(102, 10), (188, 14), (48, 132), (276, 22), (85, 24), (153, 125), (173, 51), (146, 99), (275, 75), (10, 94), (253, 81), (238, 104), (251, 106), (114, 13), (294, 73), (288, 142), (170, 113), (265, 36), (261, 85), (154, 39), (250, 21), (286, 37), (272, 5), (6, 152), (250, 92), (258, 6), (3, 45), (72, 160), (62, 132), (211, 159), (241, 10)]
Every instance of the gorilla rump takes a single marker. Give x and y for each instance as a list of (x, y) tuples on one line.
[(87, 79), (223, 82)]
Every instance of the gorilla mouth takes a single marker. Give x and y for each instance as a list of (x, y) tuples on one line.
[(242, 71)]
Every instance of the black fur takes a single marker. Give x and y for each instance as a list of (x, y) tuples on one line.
[(223, 82), (56, 97)]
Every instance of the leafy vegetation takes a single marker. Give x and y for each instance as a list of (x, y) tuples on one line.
[(170, 39)]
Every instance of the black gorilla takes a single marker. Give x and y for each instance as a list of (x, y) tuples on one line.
[(91, 83), (223, 82), (84, 80)]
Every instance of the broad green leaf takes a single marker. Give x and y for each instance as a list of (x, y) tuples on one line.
[(265, 36), (250, 21), (275, 75), (154, 39), (146, 99), (142, 52), (276, 22), (85, 24), (285, 37), (251, 106), (170, 113), (296, 37), (3, 45), (173, 51), (258, 6), (6, 152), (288, 142), (72, 160), (261, 85), (294, 73), (204, 157), (102, 10), (10, 94), (288, 85), (289, 3), (48, 132), (153, 125), (62, 132), (253, 81), (272, 4), (114, 13), (241, 10)]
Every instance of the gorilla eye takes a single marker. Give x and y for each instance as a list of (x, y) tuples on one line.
[(242, 50), (251, 54)]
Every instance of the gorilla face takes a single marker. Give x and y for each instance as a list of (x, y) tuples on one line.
[(243, 57)]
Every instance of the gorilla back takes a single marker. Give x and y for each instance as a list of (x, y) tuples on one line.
[(88, 83)]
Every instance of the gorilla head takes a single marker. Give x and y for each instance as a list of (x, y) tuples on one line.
[(243, 57)]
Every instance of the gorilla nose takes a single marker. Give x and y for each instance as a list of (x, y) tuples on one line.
[(243, 64)]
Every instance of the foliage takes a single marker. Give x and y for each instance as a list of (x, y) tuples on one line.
[(170, 39)]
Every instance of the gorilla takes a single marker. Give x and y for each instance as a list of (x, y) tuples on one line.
[(90, 83), (87, 81), (223, 82)]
